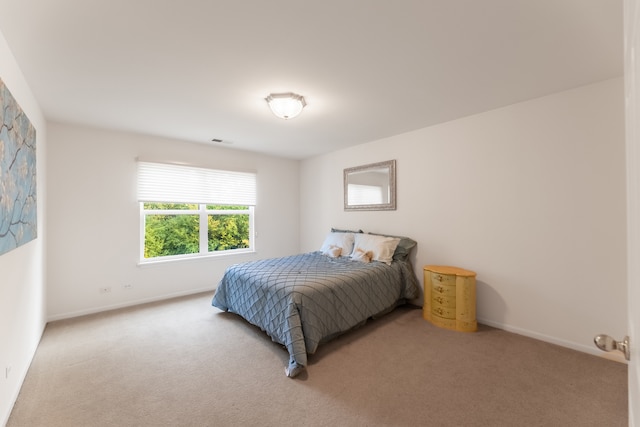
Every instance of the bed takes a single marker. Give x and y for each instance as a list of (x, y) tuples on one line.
[(303, 300)]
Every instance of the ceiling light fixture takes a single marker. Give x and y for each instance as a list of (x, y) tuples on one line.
[(286, 105)]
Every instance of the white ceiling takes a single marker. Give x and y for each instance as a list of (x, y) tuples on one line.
[(200, 69)]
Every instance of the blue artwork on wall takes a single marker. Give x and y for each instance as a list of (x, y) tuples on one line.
[(18, 207)]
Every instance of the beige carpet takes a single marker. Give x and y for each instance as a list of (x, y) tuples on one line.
[(184, 363)]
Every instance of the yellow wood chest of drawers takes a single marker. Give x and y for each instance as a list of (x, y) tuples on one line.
[(450, 297)]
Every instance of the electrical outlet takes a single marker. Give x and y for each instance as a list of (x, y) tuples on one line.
[(127, 286), (105, 290), (7, 371)]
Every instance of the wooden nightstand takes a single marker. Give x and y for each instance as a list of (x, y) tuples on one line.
[(450, 297)]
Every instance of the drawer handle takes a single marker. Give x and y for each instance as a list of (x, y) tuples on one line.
[(439, 311), (439, 278), (439, 289), (439, 299)]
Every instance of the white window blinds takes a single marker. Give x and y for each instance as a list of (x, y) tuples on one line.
[(159, 182), (364, 194)]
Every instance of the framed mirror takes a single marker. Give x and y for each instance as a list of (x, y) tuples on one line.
[(370, 187)]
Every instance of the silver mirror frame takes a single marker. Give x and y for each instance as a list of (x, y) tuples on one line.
[(391, 205)]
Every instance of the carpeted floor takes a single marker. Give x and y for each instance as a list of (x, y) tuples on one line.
[(184, 363)]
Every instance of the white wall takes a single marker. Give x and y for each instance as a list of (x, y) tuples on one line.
[(530, 196), (22, 272), (94, 218)]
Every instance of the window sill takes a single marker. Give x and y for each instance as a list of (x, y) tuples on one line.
[(194, 257)]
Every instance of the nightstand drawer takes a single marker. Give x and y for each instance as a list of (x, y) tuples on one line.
[(446, 312), (444, 290), (443, 279), (444, 301)]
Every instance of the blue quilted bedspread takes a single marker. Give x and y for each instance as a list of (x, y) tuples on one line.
[(303, 300)]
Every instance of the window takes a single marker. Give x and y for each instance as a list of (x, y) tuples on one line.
[(188, 212)]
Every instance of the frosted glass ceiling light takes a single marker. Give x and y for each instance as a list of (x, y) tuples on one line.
[(286, 105)]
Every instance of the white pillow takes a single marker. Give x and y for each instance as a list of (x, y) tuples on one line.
[(333, 251), (342, 240), (382, 247), (360, 255)]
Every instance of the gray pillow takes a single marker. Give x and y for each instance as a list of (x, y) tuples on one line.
[(337, 230)]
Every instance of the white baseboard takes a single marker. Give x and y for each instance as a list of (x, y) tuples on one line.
[(615, 356), (23, 375), (126, 304)]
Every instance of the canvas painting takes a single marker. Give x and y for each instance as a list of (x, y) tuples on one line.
[(18, 203)]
